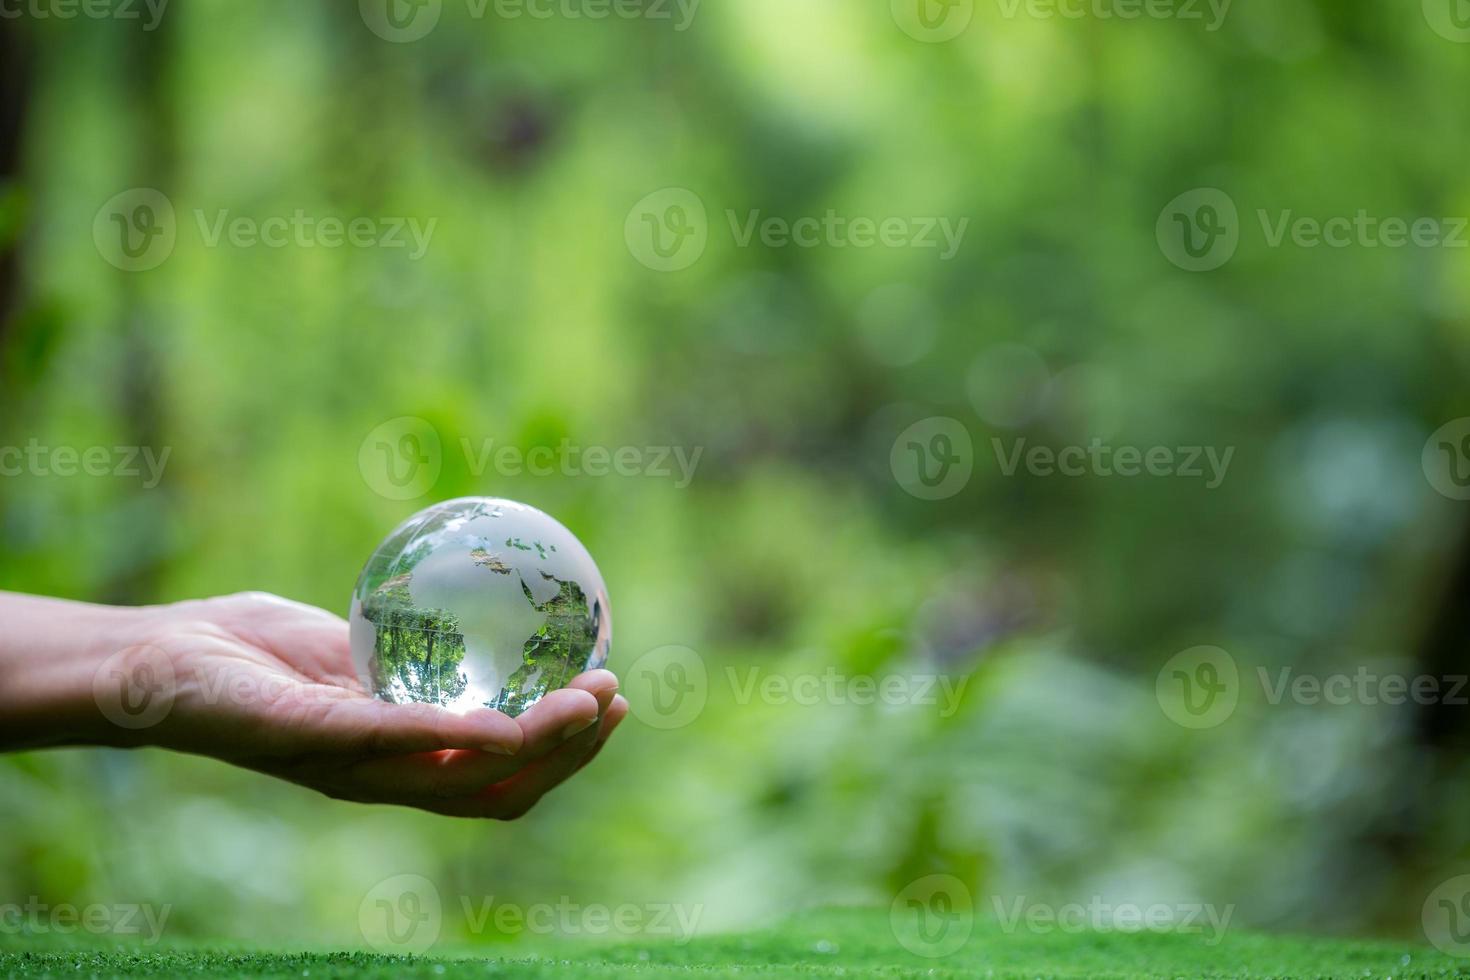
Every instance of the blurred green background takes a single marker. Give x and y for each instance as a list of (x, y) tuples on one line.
[(535, 315)]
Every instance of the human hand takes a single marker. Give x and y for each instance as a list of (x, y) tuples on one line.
[(269, 684)]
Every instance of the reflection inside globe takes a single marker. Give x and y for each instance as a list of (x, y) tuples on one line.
[(478, 603)]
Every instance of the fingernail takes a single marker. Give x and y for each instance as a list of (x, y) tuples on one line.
[(499, 750), (577, 727)]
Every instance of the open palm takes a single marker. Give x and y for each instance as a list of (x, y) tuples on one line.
[(269, 684)]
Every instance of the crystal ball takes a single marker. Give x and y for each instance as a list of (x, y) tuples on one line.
[(478, 603)]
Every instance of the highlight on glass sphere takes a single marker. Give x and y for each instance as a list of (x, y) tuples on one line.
[(478, 602)]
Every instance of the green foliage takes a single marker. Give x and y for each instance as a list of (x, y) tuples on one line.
[(417, 652), (792, 551), (551, 655)]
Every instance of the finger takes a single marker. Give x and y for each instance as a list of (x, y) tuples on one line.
[(556, 718), (362, 726), (257, 601), (542, 729), (411, 779), (429, 780), (515, 796), (614, 716), (601, 684), (518, 794)]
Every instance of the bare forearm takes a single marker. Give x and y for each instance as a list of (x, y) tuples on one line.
[(50, 653), (271, 685)]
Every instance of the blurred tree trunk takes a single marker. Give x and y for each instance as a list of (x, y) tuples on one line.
[(1442, 726), (1408, 830), (147, 59), (15, 97)]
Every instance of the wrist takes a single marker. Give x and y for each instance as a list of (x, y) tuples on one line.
[(70, 671)]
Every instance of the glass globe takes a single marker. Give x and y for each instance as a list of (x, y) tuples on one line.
[(478, 603)]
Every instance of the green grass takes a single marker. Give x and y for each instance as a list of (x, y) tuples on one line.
[(825, 944)]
